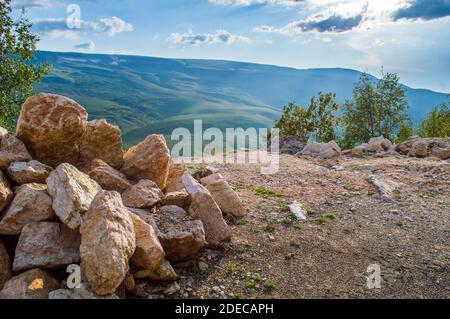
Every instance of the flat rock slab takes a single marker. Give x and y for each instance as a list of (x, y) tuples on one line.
[(46, 245), (31, 203), (28, 172)]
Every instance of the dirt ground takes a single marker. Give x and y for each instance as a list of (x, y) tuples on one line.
[(349, 227)]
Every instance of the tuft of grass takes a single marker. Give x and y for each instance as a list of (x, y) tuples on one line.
[(250, 285), (241, 221), (309, 209), (241, 249), (262, 191), (349, 230), (289, 219), (400, 223), (370, 193), (270, 228), (269, 286), (238, 295), (283, 208), (330, 216), (321, 220)]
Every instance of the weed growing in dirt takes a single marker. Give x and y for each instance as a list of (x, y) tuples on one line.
[(400, 223), (329, 216), (241, 221), (270, 228), (262, 191), (349, 230), (269, 286), (241, 249), (370, 193), (321, 220)]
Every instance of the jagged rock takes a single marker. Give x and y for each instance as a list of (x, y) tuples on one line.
[(180, 235), (148, 254), (204, 207), (103, 141), (322, 150), (5, 266), (31, 203), (144, 194), (46, 245), (72, 192), (109, 178), (6, 194), (148, 160), (84, 292), (50, 126), (12, 150), (378, 144), (419, 148), (441, 153), (33, 284), (165, 272), (288, 144), (108, 241), (181, 199), (174, 182), (28, 172), (227, 199)]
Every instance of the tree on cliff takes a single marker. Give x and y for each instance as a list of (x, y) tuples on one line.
[(378, 108), (18, 71), (317, 121)]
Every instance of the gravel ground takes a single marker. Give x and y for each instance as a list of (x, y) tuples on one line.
[(349, 227)]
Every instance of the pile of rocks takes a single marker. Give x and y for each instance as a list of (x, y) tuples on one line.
[(425, 147), (321, 150), (379, 146), (69, 195)]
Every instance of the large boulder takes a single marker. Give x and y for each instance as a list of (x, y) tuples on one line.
[(12, 150), (72, 192), (83, 292), (148, 160), (322, 150), (148, 254), (108, 241), (33, 284), (440, 152), (422, 147), (144, 194), (288, 144), (46, 245), (109, 178), (204, 207), (222, 193), (174, 182), (50, 126), (31, 203), (28, 172), (181, 236), (101, 140), (6, 194), (5, 266)]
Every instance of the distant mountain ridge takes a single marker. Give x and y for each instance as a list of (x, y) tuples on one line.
[(146, 95)]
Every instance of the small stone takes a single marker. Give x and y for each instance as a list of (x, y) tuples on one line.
[(12, 150), (108, 178), (172, 289), (181, 199), (165, 272), (203, 266)]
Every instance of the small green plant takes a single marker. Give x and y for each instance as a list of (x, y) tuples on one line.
[(262, 191), (250, 285), (238, 295), (270, 228), (349, 230), (370, 193), (283, 207), (321, 220), (400, 223), (289, 220), (309, 210), (269, 286), (241, 221), (241, 249), (257, 278), (329, 216)]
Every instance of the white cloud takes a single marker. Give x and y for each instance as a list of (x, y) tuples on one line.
[(220, 36), (252, 2), (116, 25), (88, 46), (18, 4)]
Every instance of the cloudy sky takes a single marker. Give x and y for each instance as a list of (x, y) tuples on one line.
[(409, 37)]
